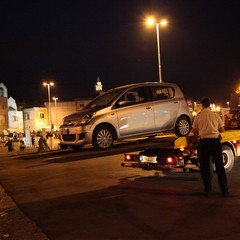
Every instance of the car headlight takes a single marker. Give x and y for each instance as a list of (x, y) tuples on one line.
[(85, 119)]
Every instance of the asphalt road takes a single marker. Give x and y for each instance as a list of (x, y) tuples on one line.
[(88, 195)]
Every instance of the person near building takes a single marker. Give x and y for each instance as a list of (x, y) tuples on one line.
[(42, 144), (22, 145), (9, 145), (207, 126), (33, 141)]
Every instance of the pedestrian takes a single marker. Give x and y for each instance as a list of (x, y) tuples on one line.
[(207, 126), (42, 144), (33, 141), (9, 145), (22, 145)]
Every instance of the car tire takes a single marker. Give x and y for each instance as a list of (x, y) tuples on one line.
[(103, 138), (183, 126), (228, 158)]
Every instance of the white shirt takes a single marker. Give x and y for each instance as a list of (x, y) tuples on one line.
[(208, 123)]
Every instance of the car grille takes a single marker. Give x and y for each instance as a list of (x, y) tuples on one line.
[(69, 137)]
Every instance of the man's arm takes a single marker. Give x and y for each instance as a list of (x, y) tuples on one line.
[(195, 132), (221, 129)]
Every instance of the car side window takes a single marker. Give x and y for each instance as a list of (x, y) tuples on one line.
[(133, 97), (162, 92)]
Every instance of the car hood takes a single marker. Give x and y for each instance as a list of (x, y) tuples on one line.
[(82, 113)]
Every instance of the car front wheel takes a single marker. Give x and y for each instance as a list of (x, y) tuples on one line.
[(103, 138)]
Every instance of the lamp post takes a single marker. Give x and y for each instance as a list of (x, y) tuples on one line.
[(151, 21), (55, 104), (49, 84)]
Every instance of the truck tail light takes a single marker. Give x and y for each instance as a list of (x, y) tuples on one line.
[(128, 157), (170, 160)]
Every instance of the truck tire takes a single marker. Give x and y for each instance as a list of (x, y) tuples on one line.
[(103, 138), (228, 158), (183, 126)]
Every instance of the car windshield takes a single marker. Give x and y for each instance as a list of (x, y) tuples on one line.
[(104, 99)]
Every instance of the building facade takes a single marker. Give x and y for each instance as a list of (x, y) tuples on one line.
[(3, 108), (15, 117)]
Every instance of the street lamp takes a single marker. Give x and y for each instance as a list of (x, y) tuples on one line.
[(49, 84), (55, 104), (163, 23)]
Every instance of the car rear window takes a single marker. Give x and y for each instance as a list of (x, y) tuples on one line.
[(162, 92)]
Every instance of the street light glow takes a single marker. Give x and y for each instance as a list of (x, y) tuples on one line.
[(163, 22), (150, 21), (48, 83)]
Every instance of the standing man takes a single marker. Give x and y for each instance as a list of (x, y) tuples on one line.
[(207, 126)]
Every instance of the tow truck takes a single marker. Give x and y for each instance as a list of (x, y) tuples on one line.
[(181, 154)]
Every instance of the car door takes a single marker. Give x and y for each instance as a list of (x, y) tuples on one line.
[(134, 113), (165, 107)]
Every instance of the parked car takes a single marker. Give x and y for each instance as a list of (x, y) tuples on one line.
[(136, 110)]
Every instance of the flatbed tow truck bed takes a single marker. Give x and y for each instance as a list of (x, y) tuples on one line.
[(181, 155)]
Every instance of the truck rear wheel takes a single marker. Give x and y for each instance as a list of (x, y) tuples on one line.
[(228, 158)]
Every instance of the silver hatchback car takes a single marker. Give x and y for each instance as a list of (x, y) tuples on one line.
[(135, 110)]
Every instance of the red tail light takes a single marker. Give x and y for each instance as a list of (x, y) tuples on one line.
[(170, 160), (128, 157)]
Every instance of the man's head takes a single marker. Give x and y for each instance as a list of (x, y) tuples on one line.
[(205, 101)]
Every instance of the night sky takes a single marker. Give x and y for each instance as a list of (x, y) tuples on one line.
[(74, 42)]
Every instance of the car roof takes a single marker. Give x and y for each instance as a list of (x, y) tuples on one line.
[(145, 84)]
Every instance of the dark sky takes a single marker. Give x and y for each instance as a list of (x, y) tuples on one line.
[(74, 42)]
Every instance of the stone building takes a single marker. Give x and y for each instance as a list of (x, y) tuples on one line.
[(15, 117), (3, 108)]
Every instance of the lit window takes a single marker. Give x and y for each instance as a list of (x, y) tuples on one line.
[(41, 115)]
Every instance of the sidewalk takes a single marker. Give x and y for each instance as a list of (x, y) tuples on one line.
[(4, 151), (14, 224)]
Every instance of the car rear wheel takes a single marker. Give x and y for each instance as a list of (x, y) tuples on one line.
[(183, 126), (103, 138)]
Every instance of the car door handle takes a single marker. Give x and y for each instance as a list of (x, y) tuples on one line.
[(175, 102), (148, 107)]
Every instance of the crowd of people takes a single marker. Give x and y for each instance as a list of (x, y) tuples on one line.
[(15, 142)]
